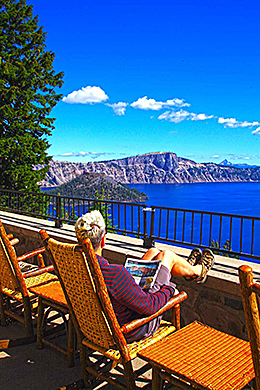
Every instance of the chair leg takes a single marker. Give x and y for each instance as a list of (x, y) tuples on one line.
[(28, 316), (40, 324), (2, 309), (83, 351), (71, 343), (156, 379), (129, 375)]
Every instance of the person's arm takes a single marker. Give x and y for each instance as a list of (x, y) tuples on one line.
[(129, 294)]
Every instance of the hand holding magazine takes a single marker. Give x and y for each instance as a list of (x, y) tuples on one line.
[(144, 272)]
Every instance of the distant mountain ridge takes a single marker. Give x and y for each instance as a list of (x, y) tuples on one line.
[(159, 167), (227, 163)]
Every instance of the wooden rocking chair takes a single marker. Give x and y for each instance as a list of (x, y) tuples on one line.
[(250, 292), (15, 298), (93, 316)]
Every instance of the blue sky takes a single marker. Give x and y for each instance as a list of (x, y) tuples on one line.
[(147, 76)]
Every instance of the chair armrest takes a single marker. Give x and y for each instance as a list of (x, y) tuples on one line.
[(175, 300), (38, 271), (14, 241), (31, 254), (256, 288)]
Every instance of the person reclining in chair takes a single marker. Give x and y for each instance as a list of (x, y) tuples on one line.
[(128, 299)]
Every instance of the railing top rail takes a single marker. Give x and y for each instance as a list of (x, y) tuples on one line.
[(76, 198), (206, 212), (102, 201)]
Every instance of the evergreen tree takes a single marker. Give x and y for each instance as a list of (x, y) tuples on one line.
[(27, 95)]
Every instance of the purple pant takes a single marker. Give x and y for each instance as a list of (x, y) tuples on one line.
[(163, 278)]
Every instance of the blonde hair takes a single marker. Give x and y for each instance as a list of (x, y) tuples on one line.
[(92, 226)]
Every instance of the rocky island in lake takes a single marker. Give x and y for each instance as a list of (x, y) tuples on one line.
[(88, 185)]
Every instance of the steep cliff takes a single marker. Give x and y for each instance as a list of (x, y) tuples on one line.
[(161, 167)]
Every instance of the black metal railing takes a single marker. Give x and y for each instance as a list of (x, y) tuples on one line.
[(120, 217), (230, 234), (233, 235)]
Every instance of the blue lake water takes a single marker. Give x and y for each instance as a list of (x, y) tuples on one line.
[(233, 198)]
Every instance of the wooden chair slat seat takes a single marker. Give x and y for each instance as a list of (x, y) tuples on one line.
[(92, 313), (30, 282), (165, 329), (52, 291), (203, 357)]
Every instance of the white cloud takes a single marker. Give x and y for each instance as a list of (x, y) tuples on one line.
[(92, 155), (256, 131), (200, 117), (86, 95), (179, 116), (146, 104), (66, 154), (151, 104), (119, 108), (174, 116), (233, 123), (242, 156), (215, 156)]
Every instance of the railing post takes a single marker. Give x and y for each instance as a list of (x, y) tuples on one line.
[(148, 242), (58, 222)]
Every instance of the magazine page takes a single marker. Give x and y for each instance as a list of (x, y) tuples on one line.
[(144, 272)]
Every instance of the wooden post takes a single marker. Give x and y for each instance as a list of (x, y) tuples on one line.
[(176, 317), (40, 261), (252, 317)]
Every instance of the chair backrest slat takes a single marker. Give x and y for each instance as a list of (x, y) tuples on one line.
[(10, 272), (7, 275), (75, 276), (250, 304)]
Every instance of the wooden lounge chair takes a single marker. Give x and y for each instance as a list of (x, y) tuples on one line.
[(15, 298), (93, 316), (250, 292)]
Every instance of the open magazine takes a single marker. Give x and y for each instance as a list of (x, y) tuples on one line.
[(144, 272)]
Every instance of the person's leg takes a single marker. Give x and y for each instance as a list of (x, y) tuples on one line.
[(151, 254), (175, 264)]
